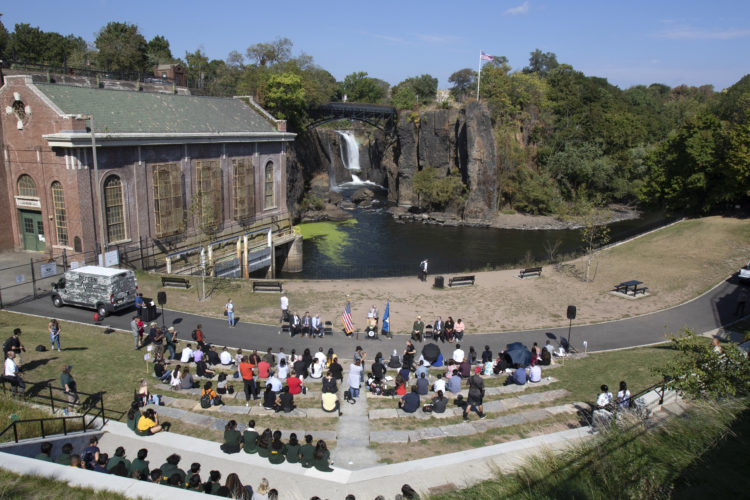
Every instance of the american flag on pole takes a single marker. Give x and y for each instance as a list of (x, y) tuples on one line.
[(485, 57), (346, 318)]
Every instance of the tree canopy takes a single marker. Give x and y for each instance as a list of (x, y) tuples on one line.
[(121, 48)]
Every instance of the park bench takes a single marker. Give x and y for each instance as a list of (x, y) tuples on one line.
[(530, 271), (626, 286), (267, 286), (461, 280), (174, 281)]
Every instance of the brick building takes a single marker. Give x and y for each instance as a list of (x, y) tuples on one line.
[(171, 72), (168, 165)]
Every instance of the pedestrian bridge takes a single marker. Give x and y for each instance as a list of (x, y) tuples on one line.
[(382, 117)]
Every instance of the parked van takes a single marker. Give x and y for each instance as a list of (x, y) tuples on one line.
[(102, 288)]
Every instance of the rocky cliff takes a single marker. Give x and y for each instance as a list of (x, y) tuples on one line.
[(452, 139)]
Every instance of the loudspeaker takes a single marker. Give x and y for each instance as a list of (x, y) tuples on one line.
[(571, 312), (161, 298)]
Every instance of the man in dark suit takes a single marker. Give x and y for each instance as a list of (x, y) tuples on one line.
[(437, 329)]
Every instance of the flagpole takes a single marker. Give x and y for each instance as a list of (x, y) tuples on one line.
[(479, 72)]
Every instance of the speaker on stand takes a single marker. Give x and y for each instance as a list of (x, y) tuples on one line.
[(161, 298), (571, 316)]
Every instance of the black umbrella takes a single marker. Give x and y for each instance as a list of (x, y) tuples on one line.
[(431, 352), (519, 354)]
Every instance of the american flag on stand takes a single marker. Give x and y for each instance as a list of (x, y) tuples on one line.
[(346, 318), (485, 57)]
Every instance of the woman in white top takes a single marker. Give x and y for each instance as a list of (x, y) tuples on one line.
[(187, 354), (355, 378), (604, 399), (316, 371), (623, 396), (175, 379), (283, 370)]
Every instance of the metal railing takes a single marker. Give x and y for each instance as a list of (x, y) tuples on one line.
[(91, 405)]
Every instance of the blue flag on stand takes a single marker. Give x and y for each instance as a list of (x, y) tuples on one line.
[(386, 318)]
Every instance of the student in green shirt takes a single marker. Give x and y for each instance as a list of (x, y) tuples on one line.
[(64, 457), (232, 438), (119, 457), (170, 467), (69, 386), (278, 449), (306, 452), (134, 414), (322, 457), (140, 464), (292, 449), (250, 438), (264, 443), (214, 483), (46, 449)]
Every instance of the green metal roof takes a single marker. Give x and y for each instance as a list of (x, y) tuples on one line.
[(121, 111)]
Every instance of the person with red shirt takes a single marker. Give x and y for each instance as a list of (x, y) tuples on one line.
[(263, 367), (294, 383), (199, 336), (246, 370)]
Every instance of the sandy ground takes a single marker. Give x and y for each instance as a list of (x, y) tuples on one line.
[(676, 264)]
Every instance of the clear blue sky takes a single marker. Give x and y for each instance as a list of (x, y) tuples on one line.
[(635, 42)]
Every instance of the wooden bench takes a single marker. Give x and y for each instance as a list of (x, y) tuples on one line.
[(530, 271), (461, 280), (174, 281), (267, 286)]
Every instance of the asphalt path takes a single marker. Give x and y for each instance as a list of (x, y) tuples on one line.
[(709, 311)]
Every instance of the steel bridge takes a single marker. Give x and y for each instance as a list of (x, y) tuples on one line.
[(382, 117)]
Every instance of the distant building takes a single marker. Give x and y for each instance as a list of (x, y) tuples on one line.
[(167, 165), (172, 72)]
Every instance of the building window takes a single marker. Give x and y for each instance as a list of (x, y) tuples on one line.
[(208, 193), (61, 221), (168, 211), (243, 186), (270, 202), (113, 209), (26, 186)]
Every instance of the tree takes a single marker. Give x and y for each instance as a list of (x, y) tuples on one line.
[(285, 98), (421, 88), (464, 82), (541, 62), (358, 87), (404, 97), (436, 191), (121, 48), (196, 68), (268, 53), (27, 43), (4, 41), (594, 233), (158, 51), (701, 372)]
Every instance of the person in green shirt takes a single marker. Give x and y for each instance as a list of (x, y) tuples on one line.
[(170, 467), (134, 414), (45, 449), (250, 438), (214, 483), (140, 464), (69, 385), (292, 449), (64, 457), (119, 457), (322, 457), (306, 452), (278, 449), (232, 438), (264, 443)]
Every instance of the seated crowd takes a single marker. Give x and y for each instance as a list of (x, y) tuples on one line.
[(169, 473)]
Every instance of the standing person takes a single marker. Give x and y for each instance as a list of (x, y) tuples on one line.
[(417, 329), (54, 334), (135, 330), (246, 370), (423, 270), (476, 395), (171, 341), (157, 339), (355, 378), (139, 305), (69, 385), (284, 307), (12, 374), (14, 345), (229, 313), (199, 338)]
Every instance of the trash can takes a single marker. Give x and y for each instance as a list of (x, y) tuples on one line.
[(439, 282), (149, 310)]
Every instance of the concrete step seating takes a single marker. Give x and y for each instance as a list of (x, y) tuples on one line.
[(477, 426), (489, 391), (497, 406)]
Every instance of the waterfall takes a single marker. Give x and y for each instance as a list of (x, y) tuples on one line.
[(351, 159)]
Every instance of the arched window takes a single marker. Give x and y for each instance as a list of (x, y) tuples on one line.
[(114, 214), (61, 221), (26, 186), (270, 202)]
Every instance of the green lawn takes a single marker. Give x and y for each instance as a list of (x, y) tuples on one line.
[(24, 487)]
